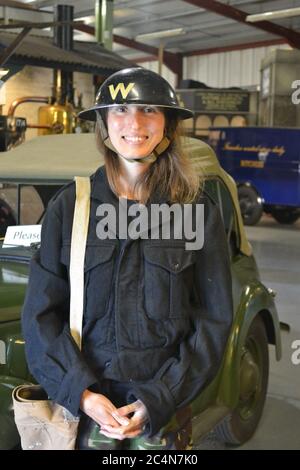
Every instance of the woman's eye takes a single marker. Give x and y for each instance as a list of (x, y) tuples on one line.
[(148, 110), (121, 109)]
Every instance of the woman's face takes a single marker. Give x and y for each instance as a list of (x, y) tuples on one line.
[(135, 130)]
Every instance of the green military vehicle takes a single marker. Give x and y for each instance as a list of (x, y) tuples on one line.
[(233, 403)]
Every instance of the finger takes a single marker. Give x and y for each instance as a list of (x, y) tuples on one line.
[(115, 435), (121, 430), (132, 427), (106, 419), (120, 437), (112, 431), (125, 410), (120, 419)]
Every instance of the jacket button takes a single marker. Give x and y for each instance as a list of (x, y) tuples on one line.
[(107, 363)]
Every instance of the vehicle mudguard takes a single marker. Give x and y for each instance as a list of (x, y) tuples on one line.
[(256, 299)]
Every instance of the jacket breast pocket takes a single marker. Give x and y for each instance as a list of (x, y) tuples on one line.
[(98, 276), (168, 280)]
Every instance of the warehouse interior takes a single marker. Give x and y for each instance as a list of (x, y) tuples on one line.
[(236, 65)]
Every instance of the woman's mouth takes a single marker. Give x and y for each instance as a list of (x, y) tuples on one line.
[(135, 139)]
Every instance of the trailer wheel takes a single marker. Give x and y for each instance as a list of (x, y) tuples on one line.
[(241, 424), (7, 217), (285, 216), (251, 205)]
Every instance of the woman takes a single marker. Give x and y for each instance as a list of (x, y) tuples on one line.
[(157, 315)]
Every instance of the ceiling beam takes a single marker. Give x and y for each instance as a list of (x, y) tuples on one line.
[(43, 3), (237, 47), (292, 37), (8, 51), (173, 61), (217, 50), (15, 4)]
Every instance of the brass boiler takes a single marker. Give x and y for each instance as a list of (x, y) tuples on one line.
[(56, 119)]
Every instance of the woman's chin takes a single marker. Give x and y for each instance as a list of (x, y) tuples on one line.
[(135, 157)]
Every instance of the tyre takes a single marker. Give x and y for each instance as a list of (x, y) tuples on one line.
[(285, 216), (251, 205), (6, 217), (241, 424)]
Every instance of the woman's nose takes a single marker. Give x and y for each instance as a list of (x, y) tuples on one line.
[(135, 120)]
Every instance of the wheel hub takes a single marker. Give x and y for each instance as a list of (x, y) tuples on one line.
[(249, 377)]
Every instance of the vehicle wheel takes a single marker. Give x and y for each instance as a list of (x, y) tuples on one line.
[(6, 217), (285, 216), (241, 424), (251, 205)]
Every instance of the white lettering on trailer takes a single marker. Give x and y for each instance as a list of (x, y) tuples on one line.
[(296, 94), (2, 352), (296, 354)]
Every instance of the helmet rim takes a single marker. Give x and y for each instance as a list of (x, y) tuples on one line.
[(89, 114), (135, 86)]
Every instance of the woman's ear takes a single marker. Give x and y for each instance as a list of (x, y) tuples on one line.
[(102, 126)]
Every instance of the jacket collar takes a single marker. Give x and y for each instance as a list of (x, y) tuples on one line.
[(100, 188), (102, 193)]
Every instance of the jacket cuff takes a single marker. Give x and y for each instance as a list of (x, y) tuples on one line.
[(72, 387), (158, 401)]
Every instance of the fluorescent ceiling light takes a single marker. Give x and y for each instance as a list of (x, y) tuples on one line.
[(161, 34), (3, 72), (87, 19), (273, 15), (124, 12)]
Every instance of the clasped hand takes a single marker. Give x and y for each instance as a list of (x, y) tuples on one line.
[(114, 422)]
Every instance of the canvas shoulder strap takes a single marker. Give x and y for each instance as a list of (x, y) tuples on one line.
[(77, 255)]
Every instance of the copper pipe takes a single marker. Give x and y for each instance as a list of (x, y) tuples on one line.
[(26, 99), (37, 126)]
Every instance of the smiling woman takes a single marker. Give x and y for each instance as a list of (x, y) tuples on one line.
[(150, 304), (139, 119), (135, 131)]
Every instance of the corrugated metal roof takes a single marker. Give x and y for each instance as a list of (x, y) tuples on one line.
[(203, 28), (86, 57)]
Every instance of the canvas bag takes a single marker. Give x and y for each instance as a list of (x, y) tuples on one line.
[(42, 423)]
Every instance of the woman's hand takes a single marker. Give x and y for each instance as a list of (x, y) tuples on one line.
[(136, 423), (101, 410)]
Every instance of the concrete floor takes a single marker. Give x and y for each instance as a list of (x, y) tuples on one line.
[(277, 251)]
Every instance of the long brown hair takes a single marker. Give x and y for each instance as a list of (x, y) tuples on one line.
[(172, 174)]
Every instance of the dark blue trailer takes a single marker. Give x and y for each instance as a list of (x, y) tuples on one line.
[(265, 163)]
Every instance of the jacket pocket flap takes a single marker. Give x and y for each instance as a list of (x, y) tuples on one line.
[(173, 259), (94, 255)]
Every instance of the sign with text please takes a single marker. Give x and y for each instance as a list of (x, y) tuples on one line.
[(22, 235)]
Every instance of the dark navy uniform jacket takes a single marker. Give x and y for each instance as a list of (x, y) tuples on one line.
[(156, 316)]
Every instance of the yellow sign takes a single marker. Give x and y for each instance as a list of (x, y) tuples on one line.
[(120, 87), (257, 149), (252, 164)]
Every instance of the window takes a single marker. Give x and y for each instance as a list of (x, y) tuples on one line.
[(23, 204), (220, 194)]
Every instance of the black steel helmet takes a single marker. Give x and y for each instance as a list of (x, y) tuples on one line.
[(138, 86)]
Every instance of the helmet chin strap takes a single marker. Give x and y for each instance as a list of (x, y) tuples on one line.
[(159, 149)]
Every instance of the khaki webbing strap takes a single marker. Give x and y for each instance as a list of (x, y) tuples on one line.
[(77, 255)]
